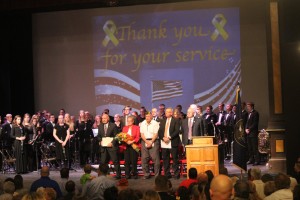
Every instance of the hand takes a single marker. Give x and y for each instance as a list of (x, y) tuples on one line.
[(148, 143), (22, 138), (166, 140), (129, 142), (218, 123), (64, 144), (247, 131), (109, 145)]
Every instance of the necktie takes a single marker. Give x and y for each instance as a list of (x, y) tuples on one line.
[(105, 129), (190, 124), (167, 127)]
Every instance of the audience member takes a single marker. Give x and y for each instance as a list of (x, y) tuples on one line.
[(267, 177), (8, 190), (269, 188), (192, 174), (256, 179), (45, 181), (111, 193), (122, 184), (296, 192), (151, 195), (95, 189), (221, 188), (20, 190), (64, 175), (161, 186), (87, 174), (33, 196), (183, 193), (282, 183), (70, 189), (210, 176), (128, 194), (241, 190), (253, 193)]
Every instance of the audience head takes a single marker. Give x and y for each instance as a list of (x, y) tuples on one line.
[(269, 188), (241, 189), (70, 186), (183, 193), (296, 192), (103, 169), (151, 195), (45, 171), (267, 177), (221, 188), (255, 173), (128, 194), (18, 181), (202, 178), (111, 193), (87, 168), (64, 173), (210, 175), (49, 193), (9, 187), (282, 181), (223, 170), (161, 183), (122, 184), (33, 196), (192, 173)]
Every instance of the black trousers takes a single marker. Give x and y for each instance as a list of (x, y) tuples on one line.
[(252, 144), (131, 158), (112, 154), (166, 160)]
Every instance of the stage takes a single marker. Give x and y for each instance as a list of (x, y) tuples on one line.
[(139, 183)]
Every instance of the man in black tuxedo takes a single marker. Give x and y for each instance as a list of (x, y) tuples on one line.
[(48, 132), (123, 119), (211, 118), (106, 130), (251, 130), (154, 115), (229, 122), (192, 126), (5, 135), (169, 133)]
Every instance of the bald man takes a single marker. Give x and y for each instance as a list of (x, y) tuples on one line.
[(45, 181), (221, 188)]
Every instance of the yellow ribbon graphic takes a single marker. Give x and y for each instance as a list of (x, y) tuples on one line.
[(110, 29), (219, 22)]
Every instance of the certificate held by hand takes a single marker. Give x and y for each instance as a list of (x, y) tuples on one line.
[(106, 140)]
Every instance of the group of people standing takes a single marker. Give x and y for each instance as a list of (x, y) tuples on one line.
[(153, 135)]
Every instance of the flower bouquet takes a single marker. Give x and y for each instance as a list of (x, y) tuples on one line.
[(125, 137)]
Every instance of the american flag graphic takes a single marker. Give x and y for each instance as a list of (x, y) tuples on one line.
[(113, 90), (166, 89)]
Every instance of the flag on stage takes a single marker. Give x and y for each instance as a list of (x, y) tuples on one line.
[(166, 89), (239, 143)]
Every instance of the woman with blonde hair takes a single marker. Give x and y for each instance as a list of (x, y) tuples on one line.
[(33, 196)]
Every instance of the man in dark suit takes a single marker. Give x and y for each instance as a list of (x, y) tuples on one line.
[(48, 132), (107, 130), (211, 118), (228, 129), (154, 115), (123, 119), (111, 118), (169, 135), (251, 130), (5, 135), (192, 126)]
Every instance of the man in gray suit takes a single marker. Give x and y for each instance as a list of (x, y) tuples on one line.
[(192, 126)]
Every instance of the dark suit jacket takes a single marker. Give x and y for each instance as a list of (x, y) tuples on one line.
[(198, 128), (252, 123), (173, 130), (208, 119), (111, 132), (5, 134)]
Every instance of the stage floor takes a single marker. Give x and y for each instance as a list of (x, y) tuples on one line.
[(139, 183)]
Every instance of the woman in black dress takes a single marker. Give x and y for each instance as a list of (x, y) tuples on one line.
[(20, 151), (61, 133), (28, 129)]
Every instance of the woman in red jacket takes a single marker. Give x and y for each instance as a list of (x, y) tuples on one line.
[(130, 155)]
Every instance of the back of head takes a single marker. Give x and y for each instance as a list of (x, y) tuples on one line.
[(210, 175), (282, 181), (161, 183), (241, 189), (50, 193), (18, 181), (9, 187), (255, 173), (267, 177), (269, 188), (111, 193), (202, 178), (183, 193), (70, 186), (64, 173), (151, 195), (33, 196), (128, 194), (45, 171), (103, 169), (87, 169), (192, 173), (221, 188)]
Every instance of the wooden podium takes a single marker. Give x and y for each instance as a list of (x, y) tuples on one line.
[(203, 155)]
